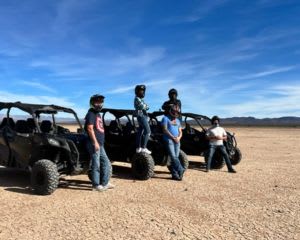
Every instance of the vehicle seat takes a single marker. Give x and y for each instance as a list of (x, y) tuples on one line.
[(156, 128), (128, 129), (10, 121), (22, 127), (114, 127), (31, 124), (46, 126), (189, 129)]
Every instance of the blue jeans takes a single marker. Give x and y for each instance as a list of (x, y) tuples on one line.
[(222, 149), (143, 133), (100, 166), (173, 148)]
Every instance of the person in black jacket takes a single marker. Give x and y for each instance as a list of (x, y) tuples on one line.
[(173, 94)]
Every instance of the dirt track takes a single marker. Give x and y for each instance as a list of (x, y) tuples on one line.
[(261, 201)]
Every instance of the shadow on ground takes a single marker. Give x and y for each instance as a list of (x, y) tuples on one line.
[(15, 180)]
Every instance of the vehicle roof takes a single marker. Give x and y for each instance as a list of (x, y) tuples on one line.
[(191, 115), (35, 108), (118, 112)]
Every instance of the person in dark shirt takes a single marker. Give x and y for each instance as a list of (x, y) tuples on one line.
[(173, 100), (100, 163)]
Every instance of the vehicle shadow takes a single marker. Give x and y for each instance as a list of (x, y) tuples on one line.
[(15, 180), (201, 166), (74, 184), (123, 172)]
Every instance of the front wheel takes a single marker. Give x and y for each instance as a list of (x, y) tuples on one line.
[(142, 166), (44, 177), (217, 160), (183, 160)]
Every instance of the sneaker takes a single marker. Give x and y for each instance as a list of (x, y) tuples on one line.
[(232, 171), (145, 150), (138, 150), (99, 188), (109, 186)]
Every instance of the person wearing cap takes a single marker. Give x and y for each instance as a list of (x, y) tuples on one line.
[(141, 109), (100, 164), (172, 135), (216, 135), (173, 100)]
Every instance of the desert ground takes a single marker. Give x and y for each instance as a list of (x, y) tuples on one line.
[(261, 201)]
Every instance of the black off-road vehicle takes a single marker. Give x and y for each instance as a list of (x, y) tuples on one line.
[(32, 139), (120, 134), (194, 140)]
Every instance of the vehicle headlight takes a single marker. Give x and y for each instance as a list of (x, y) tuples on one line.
[(53, 142)]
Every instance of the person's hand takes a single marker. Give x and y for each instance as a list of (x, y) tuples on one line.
[(176, 139), (97, 146)]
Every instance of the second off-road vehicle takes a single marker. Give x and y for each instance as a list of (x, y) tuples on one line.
[(120, 134)]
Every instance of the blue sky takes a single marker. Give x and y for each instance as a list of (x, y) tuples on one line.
[(231, 58)]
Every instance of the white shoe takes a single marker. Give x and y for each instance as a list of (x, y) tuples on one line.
[(145, 150), (109, 186), (138, 150), (99, 188)]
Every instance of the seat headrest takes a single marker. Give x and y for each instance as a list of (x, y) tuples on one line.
[(22, 127), (46, 126)]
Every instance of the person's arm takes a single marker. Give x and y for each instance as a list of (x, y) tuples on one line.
[(209, 137), (90, 121), (140, 104), (164, 106), (223, 137), (179, 136), (91, 133), (166, 131)]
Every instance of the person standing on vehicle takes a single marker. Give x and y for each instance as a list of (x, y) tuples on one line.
[(216, 135), (100, 164), (173, 94), (141, 109), (172, 135)]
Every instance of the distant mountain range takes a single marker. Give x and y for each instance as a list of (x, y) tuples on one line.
[(234, 121), (251, 121)]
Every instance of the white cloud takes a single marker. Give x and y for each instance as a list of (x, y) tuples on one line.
[(285, 101), (159, 83), (37, 85), (268, 72), (41, 99), (204, 8)]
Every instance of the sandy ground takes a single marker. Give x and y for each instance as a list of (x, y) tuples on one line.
[(261, 201)]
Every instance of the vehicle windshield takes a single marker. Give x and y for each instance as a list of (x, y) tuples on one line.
[(58, 121), (198, 123)]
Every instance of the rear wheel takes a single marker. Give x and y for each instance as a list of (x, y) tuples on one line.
[(217, 161), (142, 166), (44, 177), (236, 157)]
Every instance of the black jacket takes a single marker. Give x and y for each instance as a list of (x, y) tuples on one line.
[(166, 105)]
